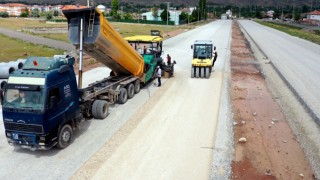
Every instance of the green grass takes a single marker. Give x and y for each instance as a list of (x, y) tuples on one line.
[(294, 31), (14, 49)]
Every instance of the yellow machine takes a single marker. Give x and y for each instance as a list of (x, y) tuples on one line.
[(203, 59)]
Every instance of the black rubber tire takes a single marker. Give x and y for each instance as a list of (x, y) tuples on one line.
[(197, 72), (202, 69), (130, 90), (192, 72), (65, 136), (207, 72), (123, 96), (100, 109), (137, 86)]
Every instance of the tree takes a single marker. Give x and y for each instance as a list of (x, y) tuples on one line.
[(194, 15), (297, 17), (49, 16), (127, 16), (154, 12), (184, 16), (35, 13), (4, 14), (115, 8), (55, 13), (25, 13), (202, 8), (165, 15)]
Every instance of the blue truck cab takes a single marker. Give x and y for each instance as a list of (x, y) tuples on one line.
[(41, 104)]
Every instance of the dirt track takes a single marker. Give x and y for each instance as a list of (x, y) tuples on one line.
[(271, 150)]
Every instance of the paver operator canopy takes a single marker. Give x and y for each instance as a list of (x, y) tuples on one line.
[(102, 41)]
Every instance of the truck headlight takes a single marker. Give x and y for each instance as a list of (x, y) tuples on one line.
[(42, 138), (8, 134)]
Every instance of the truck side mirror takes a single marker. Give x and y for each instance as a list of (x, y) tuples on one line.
[(191, 46), (53, 101)]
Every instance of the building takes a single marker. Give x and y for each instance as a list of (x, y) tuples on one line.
[(314, 15), (13, 9), (174, 16)]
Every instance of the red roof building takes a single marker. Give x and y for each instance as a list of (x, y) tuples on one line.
[(314, 15), (13, 9)]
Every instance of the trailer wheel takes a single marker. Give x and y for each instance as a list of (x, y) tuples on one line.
[(123, 96), (100, 109), (137, 86), (130, 90), (65, 136)]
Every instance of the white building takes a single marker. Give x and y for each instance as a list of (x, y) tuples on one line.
[(13, 9), (174, 16), (314, 15)]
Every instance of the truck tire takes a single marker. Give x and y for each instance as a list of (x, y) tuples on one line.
[(197, 72), (207, 72), (100, 109), (65, 136), (192, 72), (130, 90), (137, 86), (123, 96)]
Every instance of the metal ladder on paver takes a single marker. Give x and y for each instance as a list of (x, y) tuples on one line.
[(91, 23)]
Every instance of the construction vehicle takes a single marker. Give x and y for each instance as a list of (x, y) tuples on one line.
[(203, 58), (150, 47), (43, 103)]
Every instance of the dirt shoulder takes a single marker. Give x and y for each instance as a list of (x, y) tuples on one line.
[(269, 148)]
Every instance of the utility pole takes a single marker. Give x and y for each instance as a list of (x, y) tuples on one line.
[(293, 11), (167, 12)]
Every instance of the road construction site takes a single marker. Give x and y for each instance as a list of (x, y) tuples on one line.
[(189, 128)]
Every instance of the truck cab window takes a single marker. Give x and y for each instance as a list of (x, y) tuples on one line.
[(54, 97)]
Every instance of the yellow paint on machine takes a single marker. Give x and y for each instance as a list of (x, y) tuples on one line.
[(201, 62)]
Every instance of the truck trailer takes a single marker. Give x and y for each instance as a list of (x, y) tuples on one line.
[(43, 104)]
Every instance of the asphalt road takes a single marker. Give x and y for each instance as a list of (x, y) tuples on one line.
[(297, 60), (178, 125), (38, 40)]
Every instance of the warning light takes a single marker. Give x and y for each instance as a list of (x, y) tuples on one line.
[(35, 63)]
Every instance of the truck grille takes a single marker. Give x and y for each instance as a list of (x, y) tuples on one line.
[(30, 128)]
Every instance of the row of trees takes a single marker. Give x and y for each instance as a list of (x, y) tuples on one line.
[(202, 9)]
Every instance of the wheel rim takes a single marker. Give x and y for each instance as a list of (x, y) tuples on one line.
[(66, 136)]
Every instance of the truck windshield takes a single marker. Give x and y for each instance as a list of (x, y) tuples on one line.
[(203, 51), (21, 99), (145, 47)]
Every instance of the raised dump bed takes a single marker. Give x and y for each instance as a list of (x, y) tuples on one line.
[(102, 41)]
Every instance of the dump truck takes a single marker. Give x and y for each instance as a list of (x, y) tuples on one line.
[(204, 57), (43, 103)]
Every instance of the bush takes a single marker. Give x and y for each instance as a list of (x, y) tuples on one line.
[(4, 14)]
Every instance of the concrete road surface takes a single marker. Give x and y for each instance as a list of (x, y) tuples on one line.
[(297, 60), (38, 40), (174, 139), (175, 136)]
